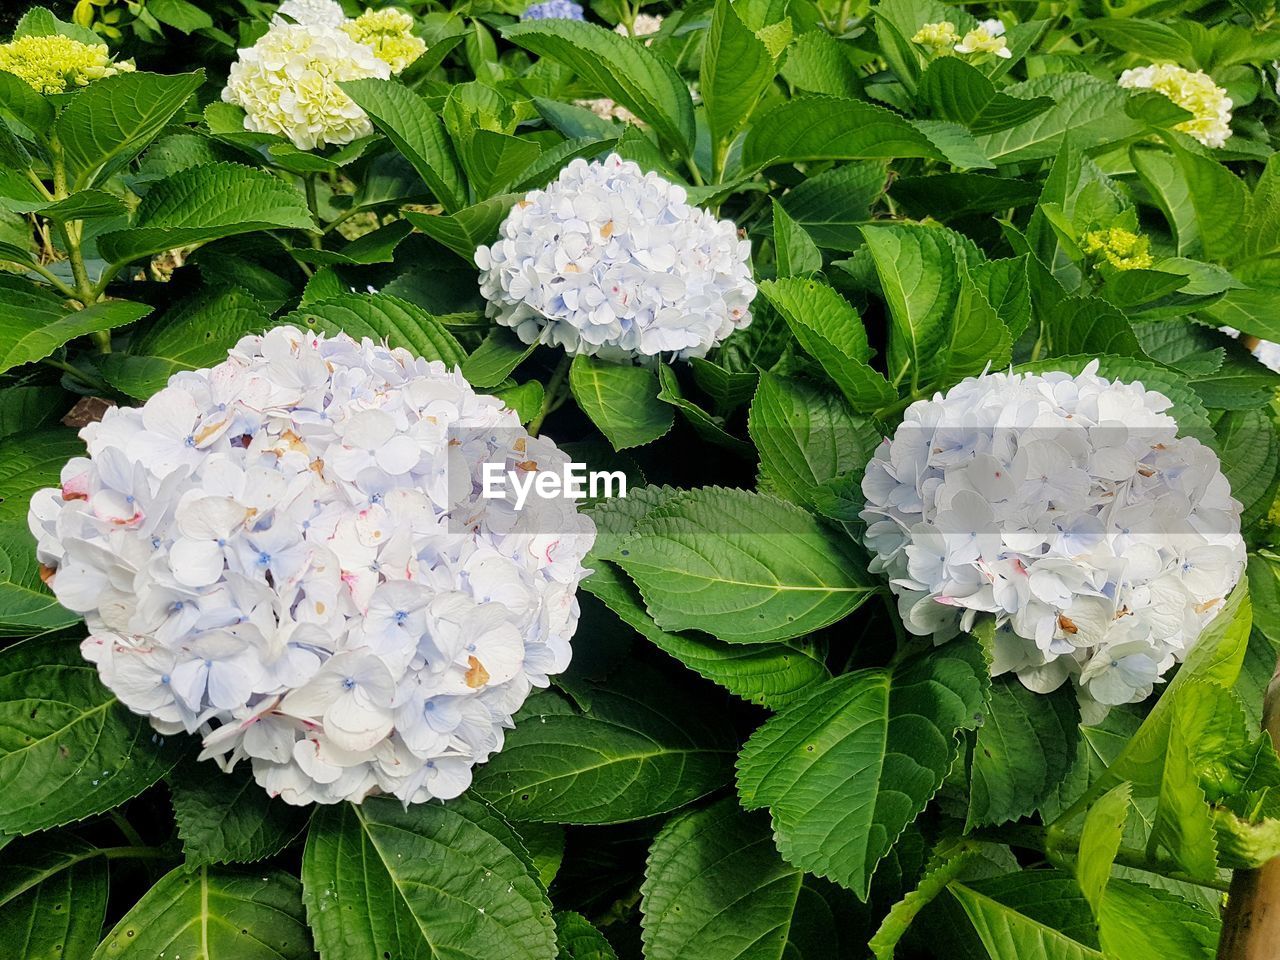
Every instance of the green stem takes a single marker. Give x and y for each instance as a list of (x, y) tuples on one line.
[(313, 204), (54, 280), (93, 383), (899, 918), (132, 853), (551, 398), (694, 172), (125, 827), (341, 219), (719, 159)]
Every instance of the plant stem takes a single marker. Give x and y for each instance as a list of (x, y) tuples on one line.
[(125, 827), (53, 279), (130, 853), (551, 399), (93, 383), (313, 204)]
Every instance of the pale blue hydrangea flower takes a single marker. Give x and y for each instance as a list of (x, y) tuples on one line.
[(553, 10)]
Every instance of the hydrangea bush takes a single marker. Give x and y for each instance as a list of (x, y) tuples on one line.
[(925, 354)]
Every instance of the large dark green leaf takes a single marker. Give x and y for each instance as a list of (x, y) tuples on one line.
[(381, 316)]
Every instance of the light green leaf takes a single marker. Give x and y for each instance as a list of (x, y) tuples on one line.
[(205, 203), (450, 882), (643, 748), (959, 92), (112, 120), (1025, 745), (1100, 840), (68, 749), (579, 940), (794, 250), (715, 888), (817, 63), (621, 400), (381, 316), (36, 321), (744, 567), (627, 72), (1138, 922), (498, 355), (213, 913), (845, 770), (831, 205), (737, 68), (21, 103), (469, 227), (832, 128), (1010, 935), (1204, 202), (1250, 458)]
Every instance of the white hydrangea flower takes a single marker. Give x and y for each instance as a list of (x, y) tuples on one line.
[(1266, 352), (1194, 91), (986, 37), (289, 554), (1070, 509), (320, 13), (607, 109), (644, 25), (611, 260), (287, 84)]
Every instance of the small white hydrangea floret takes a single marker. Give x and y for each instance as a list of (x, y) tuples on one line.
[(287, 84), (1195, 92), (290, 555), (1070, 509), (986, 37), (322, 13), (614, 261)]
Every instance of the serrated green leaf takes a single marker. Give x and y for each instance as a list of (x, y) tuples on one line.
[(626, 72), (1010, 935), (381, 316), (794, 250), (68, 748), (229, 817), (468, 228), (737, 68), (36, 321), (498, 355), (1024, 747), (205, 203), (643, 748), (703, 423), (959, 92), (214, 913), (817, 63), (845, 770), (54, 898), (114, 119), (715, 888), (449, 881), (1138, 922), (579, 940), (744, 567), (621, 400), (830, 205), (1100, 840), (832, 128)]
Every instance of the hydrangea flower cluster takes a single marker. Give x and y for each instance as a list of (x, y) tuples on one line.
[(644, 25), (289, 553), (1123, 249), (1195, 92), (287, 83), (553, 10), (944, 39), (54, 63), (310, 13), (389, 33), (1070, 509), (611, 260)]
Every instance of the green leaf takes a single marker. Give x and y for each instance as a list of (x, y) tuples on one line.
[(579, 940), (716, 889), (845, 770), (20, 103), (959, 92), (1086, 110), (494, 161), (112, 120), (26, 605), (54, 898), (737, 68), (830, 205), (30, 408), (832, 128), (376, 246), (1024, 748), (42, 22), (30, 461), (83, 205), (448, 881), (193, 333), (816, 63), (205, 203), (1204, 202), (796, 253), (68, 749), (214, 913), (704, 424), (229, 818), (180, 14), (1100, 840), (1142, 923), (627, 72), (744, 567), (806, 438), (1087, 325), (1148, 38), (469, 227), (1250, 458), (621, 400), (381, 316), (643, 748), (36, 322), (498, 355), (1010, 935)]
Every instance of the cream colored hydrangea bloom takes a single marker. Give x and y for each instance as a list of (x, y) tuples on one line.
[(645, 24), (986, 37), (941, 37), (389, 33), (1195, 92), (287, 84), (1123, 249), (52, 64)]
